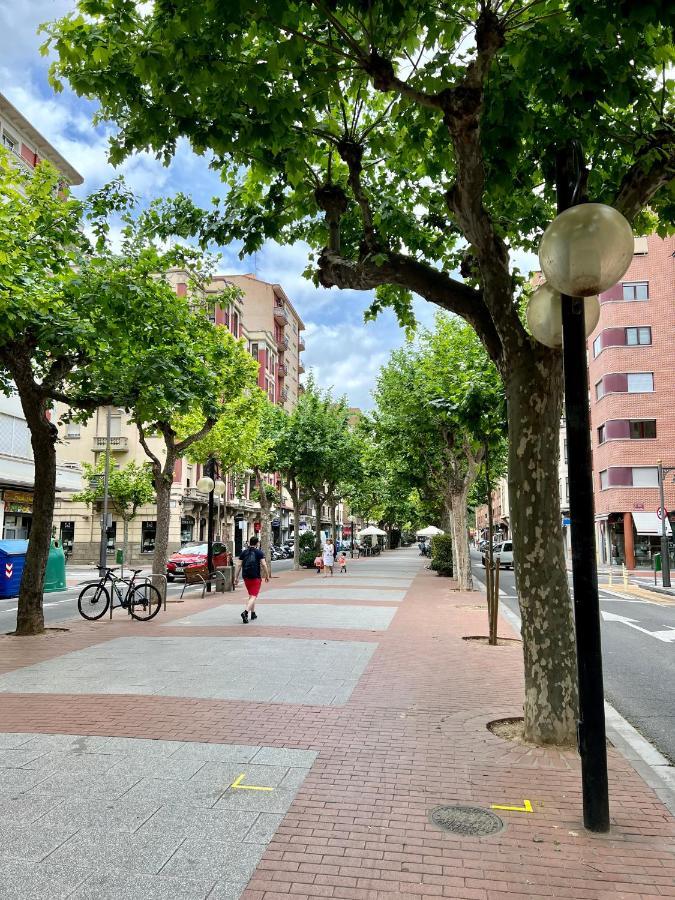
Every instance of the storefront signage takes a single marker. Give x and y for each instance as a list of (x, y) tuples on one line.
[(638, 506), (18, 501)]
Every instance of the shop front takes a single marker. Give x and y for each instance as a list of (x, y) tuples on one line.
[(633, 539), (18, 515)]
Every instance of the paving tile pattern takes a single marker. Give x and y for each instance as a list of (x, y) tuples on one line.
[(411, 737), (66, 831), (304, 615)]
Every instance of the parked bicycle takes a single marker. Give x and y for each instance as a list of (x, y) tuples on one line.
[(142, 599)]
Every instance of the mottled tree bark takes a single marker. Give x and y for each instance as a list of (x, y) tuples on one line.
[(43, 434), (265, 517), (534, 392), (460, 546)]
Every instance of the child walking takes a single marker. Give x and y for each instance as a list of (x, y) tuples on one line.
[(342, 562)]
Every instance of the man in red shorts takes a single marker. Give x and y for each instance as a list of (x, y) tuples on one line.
[(251, 560)]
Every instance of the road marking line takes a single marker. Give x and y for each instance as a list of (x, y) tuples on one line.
[(526, 807), (238, 786), (667, 636)]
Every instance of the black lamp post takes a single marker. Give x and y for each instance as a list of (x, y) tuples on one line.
[(209, 485), (584, 251), (353, 522), (665, 557)]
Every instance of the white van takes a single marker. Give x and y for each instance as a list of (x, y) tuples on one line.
[(502, 552)]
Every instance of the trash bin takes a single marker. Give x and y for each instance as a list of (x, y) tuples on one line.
[(12, 560), (55, 575), (657, 562)]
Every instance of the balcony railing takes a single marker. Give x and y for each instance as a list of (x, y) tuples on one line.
[(282, 342), (301, 367), (280, 313), (301, 343), (283, 370), (117, 444), (198, 496)]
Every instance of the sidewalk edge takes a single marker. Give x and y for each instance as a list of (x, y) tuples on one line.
[(647, 761)]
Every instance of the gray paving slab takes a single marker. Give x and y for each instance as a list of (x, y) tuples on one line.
[(22, 880), (98, 835), (335, 592), (9, 740), (144, 887), (143, 853), (258, 669), (106, 815), (221, 861), (17, 759), (299, 615), (58, 761), (31, 844)]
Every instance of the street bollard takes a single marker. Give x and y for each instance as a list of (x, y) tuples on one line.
[(624, 572)]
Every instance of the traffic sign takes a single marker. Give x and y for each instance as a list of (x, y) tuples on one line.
[(660, 512)]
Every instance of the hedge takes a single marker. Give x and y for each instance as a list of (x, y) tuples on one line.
[(441, 554)]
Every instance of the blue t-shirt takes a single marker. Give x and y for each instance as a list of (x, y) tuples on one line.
[(250, 566)]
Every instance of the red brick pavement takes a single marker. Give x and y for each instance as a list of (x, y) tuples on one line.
[(412, 737)]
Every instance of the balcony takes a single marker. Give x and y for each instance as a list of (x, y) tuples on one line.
[(280, 314), (282, 342), (301, 343), (282, 370), (197, 496), (301, 367), (117, 444), (283, 393)]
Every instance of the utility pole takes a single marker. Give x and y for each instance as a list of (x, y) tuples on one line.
[(210, 469), (103, 550), (591, 727), (665, 558)]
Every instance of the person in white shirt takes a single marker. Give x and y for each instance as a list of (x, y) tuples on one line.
[(328, 558)]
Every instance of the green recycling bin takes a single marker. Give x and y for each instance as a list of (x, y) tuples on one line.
[(119, 556), (55, 576), (657, 562)]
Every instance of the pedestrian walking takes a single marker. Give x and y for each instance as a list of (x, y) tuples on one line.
[(342, 562), (328, 557), (318, 562), (253, 566)]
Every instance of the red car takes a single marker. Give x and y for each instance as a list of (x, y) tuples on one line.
[(195, 555)]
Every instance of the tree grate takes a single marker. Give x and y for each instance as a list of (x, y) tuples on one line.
[(469, 821)]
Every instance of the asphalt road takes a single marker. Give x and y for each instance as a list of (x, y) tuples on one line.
[(639, 657), (62, 605)]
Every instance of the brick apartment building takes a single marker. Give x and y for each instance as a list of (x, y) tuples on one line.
[(17, 471), (631, 359)]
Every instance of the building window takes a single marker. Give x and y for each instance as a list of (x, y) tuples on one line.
[(565, 451), (567, 489), (640, 382), (635, 336), (639, 429), (601, 434), (211, 312), (148, 534), (67, 534), (604, 479), (254, 351), (645, 476), (9, 142), (635, 290), (599, 389), (73, 430), (597, 345)]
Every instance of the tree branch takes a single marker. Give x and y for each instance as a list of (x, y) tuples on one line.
[(181, 446), (156, 464), (423, 279), (653, 169), (352, 153)]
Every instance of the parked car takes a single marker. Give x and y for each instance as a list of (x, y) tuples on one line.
[(502, 552), (195, 555)]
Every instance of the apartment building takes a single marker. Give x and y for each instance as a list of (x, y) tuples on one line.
[(17, 471), (274, 330), (237, 514), (632, 395)]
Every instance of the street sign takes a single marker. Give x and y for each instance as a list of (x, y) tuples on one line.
[(660, 512)]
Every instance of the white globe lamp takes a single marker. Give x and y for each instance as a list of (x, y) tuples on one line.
[(219, 488), (205, 484), (544, 316), (586, 249)]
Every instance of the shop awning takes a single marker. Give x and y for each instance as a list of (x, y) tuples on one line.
[(648, 523)]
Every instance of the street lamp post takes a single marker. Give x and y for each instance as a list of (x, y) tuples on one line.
[(103, 550), (665, 558), (209, 485), (353, 521), (584, 251)]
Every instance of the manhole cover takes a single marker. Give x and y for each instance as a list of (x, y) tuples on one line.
[(471, 821)]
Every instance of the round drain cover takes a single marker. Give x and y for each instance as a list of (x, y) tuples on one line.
[(470, 821)]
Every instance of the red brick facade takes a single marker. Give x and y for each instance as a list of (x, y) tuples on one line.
[(619, 453)]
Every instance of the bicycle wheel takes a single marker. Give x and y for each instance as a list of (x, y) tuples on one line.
[(93, 602), (145, 602)]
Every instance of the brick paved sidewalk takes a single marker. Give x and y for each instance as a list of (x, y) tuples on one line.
[(380, 686)]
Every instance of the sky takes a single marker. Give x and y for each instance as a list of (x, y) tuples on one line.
[(343, 352)]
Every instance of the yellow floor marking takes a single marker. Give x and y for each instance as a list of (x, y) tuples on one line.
[(238, 786), (526, 807)]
